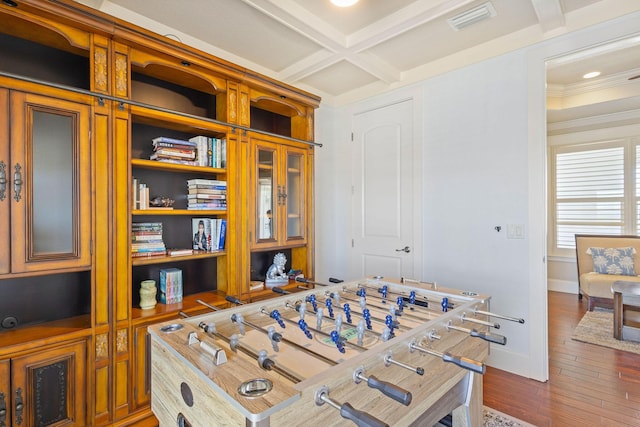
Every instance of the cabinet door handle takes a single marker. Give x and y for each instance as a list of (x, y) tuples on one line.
[(282, 196), (19, 406), (3, 186), (17, 181), (3, 410), (279, 195)]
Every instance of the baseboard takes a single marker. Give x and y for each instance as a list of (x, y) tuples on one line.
[(515, 363), (565, 286)]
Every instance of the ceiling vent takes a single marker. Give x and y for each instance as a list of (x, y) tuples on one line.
[(472, 16)]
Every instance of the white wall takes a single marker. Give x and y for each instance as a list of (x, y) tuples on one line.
[(484, 140)]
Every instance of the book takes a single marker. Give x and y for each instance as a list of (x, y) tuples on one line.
[(146, 238), (202, 181), (173, 161), (202, 151), (170, 285), (222, 231), (205, 190), (206, 196), (201, 234), (179, 252), (157, 145), (172, 140), (174, 153)]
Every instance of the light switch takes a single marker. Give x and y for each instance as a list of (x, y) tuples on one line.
[(515, 231)]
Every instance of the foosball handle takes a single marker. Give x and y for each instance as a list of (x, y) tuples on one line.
[(390, 390), (498, 339), (334, 280), (233, 300), (464, 362), (359, 417)]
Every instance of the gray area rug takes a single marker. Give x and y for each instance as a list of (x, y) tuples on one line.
[(596, 327), (493, 418)]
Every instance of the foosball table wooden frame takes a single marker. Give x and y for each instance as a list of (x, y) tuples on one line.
[(417, 358)]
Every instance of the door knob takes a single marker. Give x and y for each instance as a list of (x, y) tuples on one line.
[(406, 249)]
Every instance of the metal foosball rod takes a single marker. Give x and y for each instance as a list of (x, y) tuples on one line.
[(347, 411), (317, 331), (498, 339), (364, 313), (344, 289), (274, 337), (461, 361), (389, 360), (264, 362), (464, 318), (395, 323), (398, 312), (334, 336), (411, 301), (499, 316)]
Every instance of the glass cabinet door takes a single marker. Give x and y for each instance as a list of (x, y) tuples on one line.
[(266, 211), (50, 183), (295, 194)]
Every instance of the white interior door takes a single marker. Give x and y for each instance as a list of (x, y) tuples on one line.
[(383, 191)]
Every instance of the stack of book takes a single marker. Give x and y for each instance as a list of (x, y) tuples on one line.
[(170, 285), (172, 150), (209, 234), (206, 194), (146, 239), (212, 152)]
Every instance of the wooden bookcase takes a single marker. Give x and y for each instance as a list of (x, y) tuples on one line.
[(114, 86)]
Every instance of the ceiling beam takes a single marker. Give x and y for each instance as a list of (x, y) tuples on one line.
[(550, 15)]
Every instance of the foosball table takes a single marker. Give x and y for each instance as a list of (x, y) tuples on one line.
[(372, 352)]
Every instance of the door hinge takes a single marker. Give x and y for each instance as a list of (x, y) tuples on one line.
[(91, 247), (351, 136), (353, 243)]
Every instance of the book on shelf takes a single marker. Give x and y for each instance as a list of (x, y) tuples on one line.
[(222, 233), (207, 196), (170, 285), (146, 238), (207, 182), (207, 190), (201, 229), (173, 161), (202, 150), (209, 233), (179, 251), (176, 153), (207, 206), (165, 139), (196, 187), (182, 145)]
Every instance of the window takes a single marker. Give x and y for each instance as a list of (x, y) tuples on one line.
[(593, 191)]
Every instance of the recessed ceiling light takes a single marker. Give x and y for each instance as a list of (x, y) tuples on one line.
[(344, 3), (591, 75)]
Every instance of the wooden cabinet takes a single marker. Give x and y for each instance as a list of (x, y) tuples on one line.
[(81, 96), (279, 193), (44, 387), (45, 184)]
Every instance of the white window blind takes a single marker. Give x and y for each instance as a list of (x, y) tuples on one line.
[(589, 192)]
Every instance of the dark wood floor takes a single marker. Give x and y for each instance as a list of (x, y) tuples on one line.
[(588, 385)]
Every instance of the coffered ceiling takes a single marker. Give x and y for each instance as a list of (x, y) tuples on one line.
[(346, 54)]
